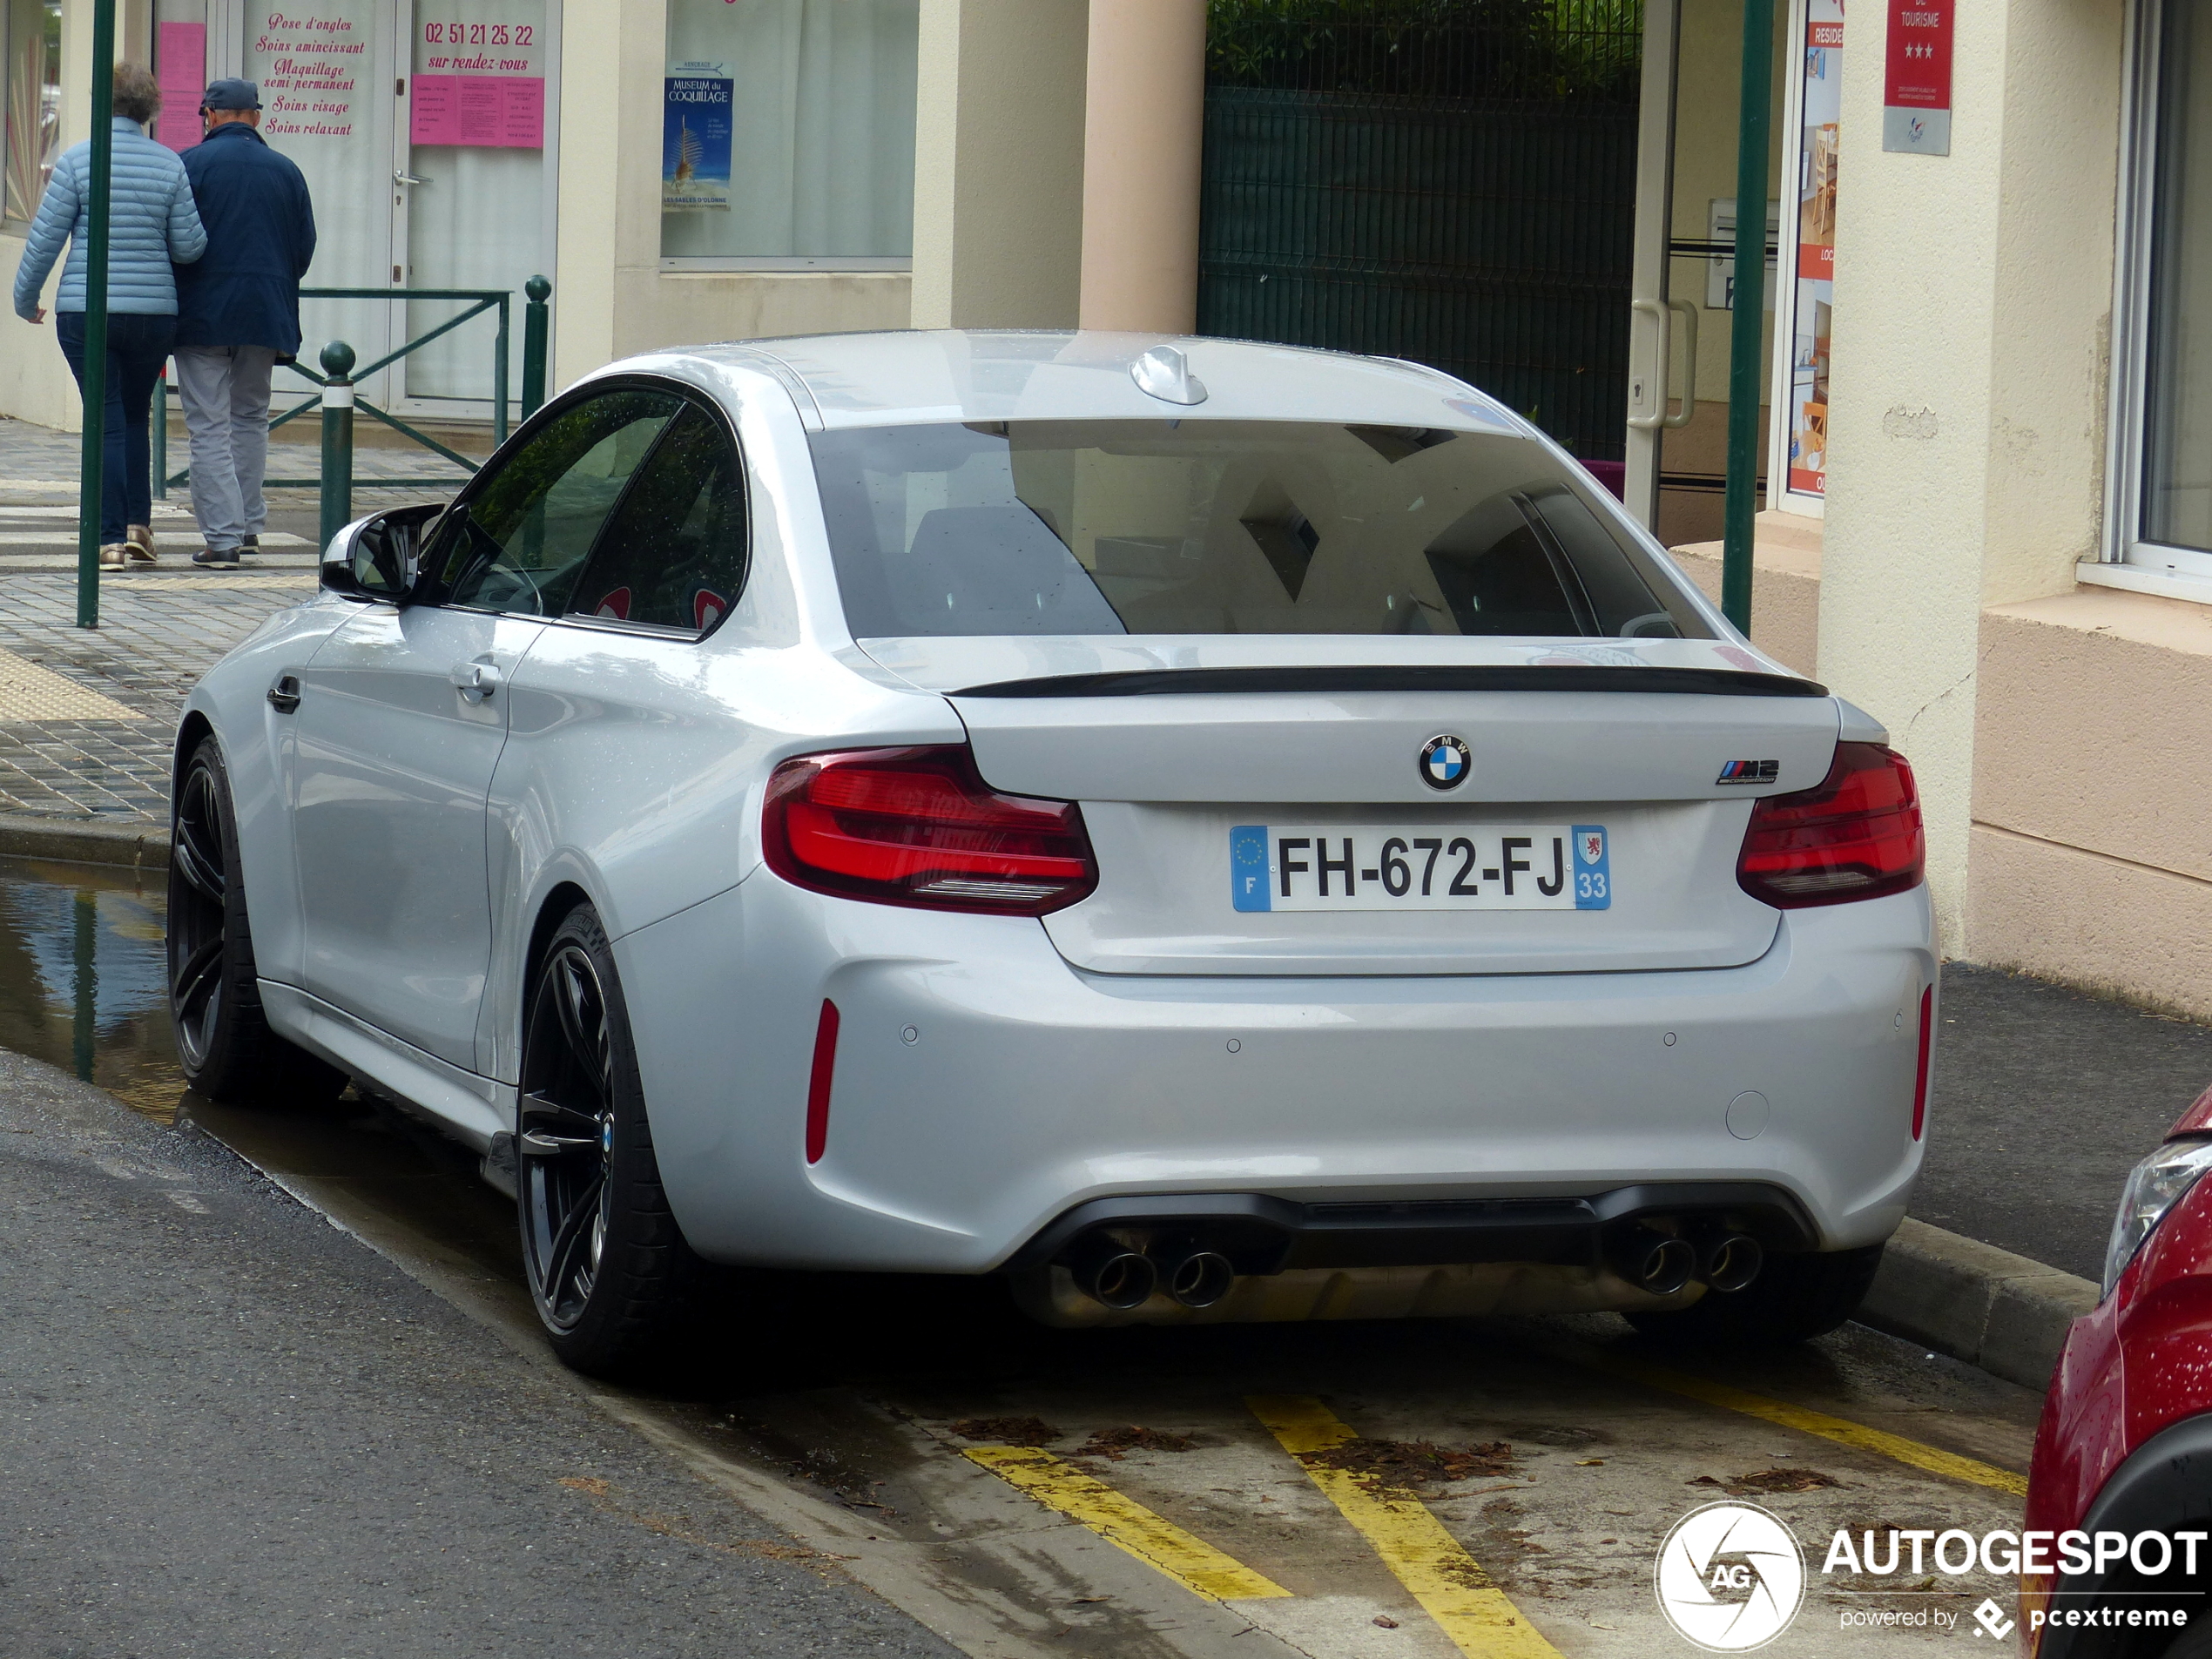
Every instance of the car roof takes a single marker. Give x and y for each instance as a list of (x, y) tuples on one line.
[(910, 377)]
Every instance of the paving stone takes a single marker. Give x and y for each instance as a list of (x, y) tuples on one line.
[(159, 631)]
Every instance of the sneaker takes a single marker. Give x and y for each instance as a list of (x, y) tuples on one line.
[(114, 556), (139, 539), (209, 559), (249, 543)]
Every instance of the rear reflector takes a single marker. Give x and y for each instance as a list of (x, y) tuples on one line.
[(1856, 836), (817, 1082), (919, 826), (1921, 1077)]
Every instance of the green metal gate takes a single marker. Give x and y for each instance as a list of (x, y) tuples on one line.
[(1452, 181)]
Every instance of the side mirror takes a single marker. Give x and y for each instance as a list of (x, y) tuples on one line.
[(374, 557)]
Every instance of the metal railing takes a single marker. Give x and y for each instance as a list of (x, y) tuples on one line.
[(536, 293)]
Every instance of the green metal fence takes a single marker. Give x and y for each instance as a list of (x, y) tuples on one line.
[(1452, 181), (479, 301)]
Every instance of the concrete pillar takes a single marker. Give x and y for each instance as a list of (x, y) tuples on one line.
[(999, 164), (608, 245), (1973, 296), (1144, 129)]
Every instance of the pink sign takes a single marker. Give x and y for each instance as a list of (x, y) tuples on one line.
[(180, 54), (488, 112)]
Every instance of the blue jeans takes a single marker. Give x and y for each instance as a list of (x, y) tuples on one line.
[(138, 345)]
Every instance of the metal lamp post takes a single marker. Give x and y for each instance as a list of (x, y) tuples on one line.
[(96, 239)]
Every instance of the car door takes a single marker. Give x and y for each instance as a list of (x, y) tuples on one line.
[(402, 715), (620, 741)]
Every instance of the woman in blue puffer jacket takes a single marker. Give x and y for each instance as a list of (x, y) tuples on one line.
[(152, 221)]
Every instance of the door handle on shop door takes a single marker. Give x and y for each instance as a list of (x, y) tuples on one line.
[(284, 696), (476, 681)]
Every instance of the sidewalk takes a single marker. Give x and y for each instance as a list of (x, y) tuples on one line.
[(86, 715)]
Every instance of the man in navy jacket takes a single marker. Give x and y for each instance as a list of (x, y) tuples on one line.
[(238, 314)]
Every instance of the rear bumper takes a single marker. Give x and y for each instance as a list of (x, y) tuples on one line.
[(1269, 1234), (984, 1089)]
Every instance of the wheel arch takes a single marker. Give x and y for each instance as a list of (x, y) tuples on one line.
[(561, 900), (195, 729), (2165, 1487)]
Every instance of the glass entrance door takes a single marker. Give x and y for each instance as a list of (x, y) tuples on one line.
[(326, 69), (475, 203)]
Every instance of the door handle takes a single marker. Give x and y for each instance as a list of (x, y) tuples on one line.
[(403, 177), (476, 681), (1662, 364), (284, 696)]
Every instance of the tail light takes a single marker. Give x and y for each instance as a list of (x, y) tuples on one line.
[(919, 826), (1856, 836)]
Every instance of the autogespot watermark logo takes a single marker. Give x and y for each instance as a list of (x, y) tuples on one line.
[(1730, 1577)]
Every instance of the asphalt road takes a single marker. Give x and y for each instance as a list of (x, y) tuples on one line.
[(227, 1428), (2044, 1099)]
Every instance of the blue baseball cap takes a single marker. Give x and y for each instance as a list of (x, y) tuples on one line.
[(231, 95)]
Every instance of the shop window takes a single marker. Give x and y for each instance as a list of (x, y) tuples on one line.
[(788, 134), (31, 34), (2163, 398)]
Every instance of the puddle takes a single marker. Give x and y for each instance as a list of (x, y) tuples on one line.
[(83, 979)]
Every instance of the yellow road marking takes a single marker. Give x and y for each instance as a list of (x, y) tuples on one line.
[(1808, 1421), (1153, 1539), (1448, 1582)]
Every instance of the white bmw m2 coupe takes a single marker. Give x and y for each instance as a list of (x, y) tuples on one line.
[(1206, 830)]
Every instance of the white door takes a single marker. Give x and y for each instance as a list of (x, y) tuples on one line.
[(327, 71), (481, 107)]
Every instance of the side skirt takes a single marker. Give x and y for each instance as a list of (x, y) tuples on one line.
[(474, 1109)]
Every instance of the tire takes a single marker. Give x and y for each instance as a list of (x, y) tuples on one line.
[(224, 1041), (1793, 1300), (609, 1269)]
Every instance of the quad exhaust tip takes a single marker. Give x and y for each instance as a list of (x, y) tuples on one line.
[(1109, 1272), (1730, 1262), (1120, 1277), (1656, 1263), (1197, 1278)]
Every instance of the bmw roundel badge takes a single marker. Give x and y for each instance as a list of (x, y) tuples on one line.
[(1445, 762)]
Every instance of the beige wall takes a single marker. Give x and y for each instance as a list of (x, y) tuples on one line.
[(1966, 418), (610, 297), (999, 164), (2092, 852), (1785, 587)]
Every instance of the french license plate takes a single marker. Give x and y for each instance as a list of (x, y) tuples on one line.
[(1511, 867)]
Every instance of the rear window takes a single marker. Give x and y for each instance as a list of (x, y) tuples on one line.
[(1226, 527)]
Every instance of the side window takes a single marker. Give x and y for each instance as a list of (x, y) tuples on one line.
[(518, 540), (673, 553)]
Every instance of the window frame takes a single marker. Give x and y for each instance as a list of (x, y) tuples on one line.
[(788, 263), (2127, 557), (436, 598)]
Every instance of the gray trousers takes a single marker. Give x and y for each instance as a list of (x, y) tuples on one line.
[(225, 390)]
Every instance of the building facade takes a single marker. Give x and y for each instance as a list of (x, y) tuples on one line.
[(1989, 479)]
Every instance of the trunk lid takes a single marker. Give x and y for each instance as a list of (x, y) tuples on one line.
[(1171, 747)]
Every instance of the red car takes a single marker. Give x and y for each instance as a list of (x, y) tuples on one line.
[(2120, 1488)]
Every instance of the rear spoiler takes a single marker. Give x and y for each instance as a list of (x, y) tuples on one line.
[(1168, 682)]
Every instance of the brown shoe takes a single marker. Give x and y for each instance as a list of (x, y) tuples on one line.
[(139, 539), (114, 556)]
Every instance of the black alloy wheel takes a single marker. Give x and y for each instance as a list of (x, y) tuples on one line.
[(608, 1266), (223, 1036)]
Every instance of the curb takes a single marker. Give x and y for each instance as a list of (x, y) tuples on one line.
[(139, 845), (1975, 1302)]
